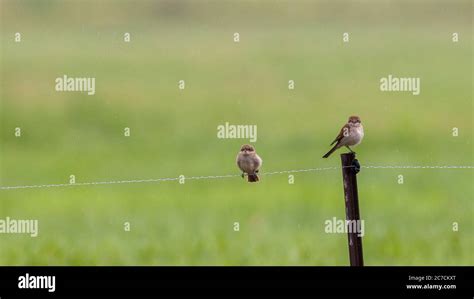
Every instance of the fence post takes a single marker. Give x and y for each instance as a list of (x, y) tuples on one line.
[(350, 168)]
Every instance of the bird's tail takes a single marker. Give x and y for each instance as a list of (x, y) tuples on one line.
[(253, 178), (331, 151)]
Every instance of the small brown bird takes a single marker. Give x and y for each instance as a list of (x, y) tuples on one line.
[(249, 162), (350, 135)]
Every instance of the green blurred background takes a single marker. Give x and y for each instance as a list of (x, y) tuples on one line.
[(173, 131)]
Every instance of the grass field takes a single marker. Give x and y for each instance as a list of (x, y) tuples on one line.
[(173, 131)]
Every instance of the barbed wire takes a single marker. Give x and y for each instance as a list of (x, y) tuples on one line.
[(418, 167), (212, 177)]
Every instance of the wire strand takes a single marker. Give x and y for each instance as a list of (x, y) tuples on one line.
[(211, 177)]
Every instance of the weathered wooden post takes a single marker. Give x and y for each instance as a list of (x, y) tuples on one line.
[(350, 168)]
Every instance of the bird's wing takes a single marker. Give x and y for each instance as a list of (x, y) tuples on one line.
[(258, 161), (239, 161), (341, 135)]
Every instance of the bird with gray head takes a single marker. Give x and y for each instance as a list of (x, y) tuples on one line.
[(249, 162), (351, 134)]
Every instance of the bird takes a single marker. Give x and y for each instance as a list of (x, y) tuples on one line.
[(249, 162), (351, 134)]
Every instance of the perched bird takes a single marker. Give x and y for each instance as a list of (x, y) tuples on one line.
[(351, 135), (249, 162)]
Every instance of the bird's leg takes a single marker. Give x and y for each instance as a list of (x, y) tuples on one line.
[(350, 149)]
